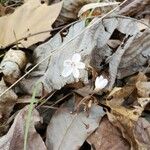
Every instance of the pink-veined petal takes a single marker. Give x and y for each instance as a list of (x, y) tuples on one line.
[(80, 65), (67, 63), (76, 57), (67, 71), (76, 73)]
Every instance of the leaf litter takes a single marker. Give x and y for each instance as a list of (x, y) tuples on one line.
[(93, 75)]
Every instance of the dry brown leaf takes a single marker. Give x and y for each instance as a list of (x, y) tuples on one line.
[(108, 137), (7, 102), (117, 99), (142, 133), (96, 5), (136, 56), (14, 139), (127, 107), (30, 18), (71, 8), (5, 10), (132, 7), (69, 130), (85, 41), (143, 89)]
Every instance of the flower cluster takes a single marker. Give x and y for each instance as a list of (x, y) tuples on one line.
[(73, 65)]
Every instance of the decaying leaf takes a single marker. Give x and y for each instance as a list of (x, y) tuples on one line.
[(118, 103), (133, 7), (7, 102), (12, 64), (96, 5), (107, 137), (142, 133), (30, 18), (69, 130), (135, 56), (143, 89), (85, 41), (70, 10), (126, 107), (14, 139), (5, 10)]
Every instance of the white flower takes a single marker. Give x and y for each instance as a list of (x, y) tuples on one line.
[(72, 66), (100, 83)]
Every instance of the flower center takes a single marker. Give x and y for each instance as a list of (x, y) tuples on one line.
[(73, 64)]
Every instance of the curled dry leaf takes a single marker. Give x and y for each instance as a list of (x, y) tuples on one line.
[(69, 130), (133, 7), (126, 108), (143, 89), (96, 5), (119, 103), (14, 139), (107, 137), (70, 10), (12, 64), (7, 102), (91, 43), (35, 17), (135, 56)]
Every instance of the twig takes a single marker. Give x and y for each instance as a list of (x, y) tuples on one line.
[(31, 35)]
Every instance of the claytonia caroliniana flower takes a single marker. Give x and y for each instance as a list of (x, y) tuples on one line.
[(100, 83), (72, 66)]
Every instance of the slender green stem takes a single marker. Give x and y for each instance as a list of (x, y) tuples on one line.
[(28, 120)]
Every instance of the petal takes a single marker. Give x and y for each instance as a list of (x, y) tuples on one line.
[(100, 84), (76, 73), (76, 57), (97, 82), (104, 82), (101, 77), (67, 63), (80, 65), (66, 71)]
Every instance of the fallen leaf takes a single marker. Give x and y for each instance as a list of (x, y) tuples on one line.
[(126, 108), (143, 88), (117, 99), (80, 40), (30, 18), (96, 5), (14, 139), (69, 130), (133, 7), (70, 10), (135, 56), (5, 10), (7, 102), (142, 133), (107, 137)]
